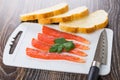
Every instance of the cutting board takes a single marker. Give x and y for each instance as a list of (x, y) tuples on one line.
[(27, 31)]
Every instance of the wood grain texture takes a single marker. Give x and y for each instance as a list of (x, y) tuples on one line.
[(9, 20)]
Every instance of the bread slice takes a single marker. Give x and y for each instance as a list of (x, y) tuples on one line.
[(44, 13), (68, 16), (88, 24)]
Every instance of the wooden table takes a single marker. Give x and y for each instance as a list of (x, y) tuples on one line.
[(9, 20)]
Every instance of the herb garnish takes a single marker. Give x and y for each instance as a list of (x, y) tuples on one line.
[(60, 45)]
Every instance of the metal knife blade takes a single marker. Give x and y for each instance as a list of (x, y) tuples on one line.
[(100, 56), (102, 49)]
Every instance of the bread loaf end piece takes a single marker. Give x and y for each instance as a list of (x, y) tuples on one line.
[(88, 24)]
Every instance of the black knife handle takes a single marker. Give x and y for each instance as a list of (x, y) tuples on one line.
[(93, 73)]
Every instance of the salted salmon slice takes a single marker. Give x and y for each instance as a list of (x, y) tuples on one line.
[(52, 56), (50, 40), (78, 52), (56, 33), (40, 45), (46, 38), (45, 47)]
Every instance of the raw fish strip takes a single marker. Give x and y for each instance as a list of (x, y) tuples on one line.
[(78, 52), (56, 33), (50, 40), (45, 47), (40, 45), (52, 56)]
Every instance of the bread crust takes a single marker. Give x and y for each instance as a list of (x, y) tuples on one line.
[(52, 13), (64, 18), (34, 16), (82, 29)]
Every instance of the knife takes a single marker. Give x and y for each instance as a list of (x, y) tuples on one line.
[(100, 56)]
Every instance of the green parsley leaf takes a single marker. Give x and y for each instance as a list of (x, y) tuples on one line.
[(60, 48), (68, 45), (60, 44), (60, 40), (53, 48)]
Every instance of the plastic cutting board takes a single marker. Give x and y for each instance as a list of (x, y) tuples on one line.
[(30, 30)]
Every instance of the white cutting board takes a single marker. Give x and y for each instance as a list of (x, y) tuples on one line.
[(30, 30)]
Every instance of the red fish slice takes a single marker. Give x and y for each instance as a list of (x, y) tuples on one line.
[(56, 33), (78, 52), (50, 40), (52, 56), (40, 45), (46, 38), (45, 47)]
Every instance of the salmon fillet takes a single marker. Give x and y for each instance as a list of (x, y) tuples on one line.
[(52, 56)]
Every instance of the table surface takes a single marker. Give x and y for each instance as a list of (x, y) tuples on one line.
[(9, 20)]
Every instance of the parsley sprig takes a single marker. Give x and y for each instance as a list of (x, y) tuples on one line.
[(61, 44)]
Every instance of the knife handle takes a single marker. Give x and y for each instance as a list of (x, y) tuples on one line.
[(94, 71)]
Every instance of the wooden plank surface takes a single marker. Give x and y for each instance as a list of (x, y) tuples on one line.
[(9, 20)]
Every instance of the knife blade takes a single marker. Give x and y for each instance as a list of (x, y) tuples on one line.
[(100, 56)]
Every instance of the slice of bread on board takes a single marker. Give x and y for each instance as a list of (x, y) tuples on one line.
[(44, 13), (88, 24), (73, 14)]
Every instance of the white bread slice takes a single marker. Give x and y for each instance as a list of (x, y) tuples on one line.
[(68, 16), (88, 24), (44, 13)]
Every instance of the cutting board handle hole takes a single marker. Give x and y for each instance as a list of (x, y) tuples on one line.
[(14, 42)]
